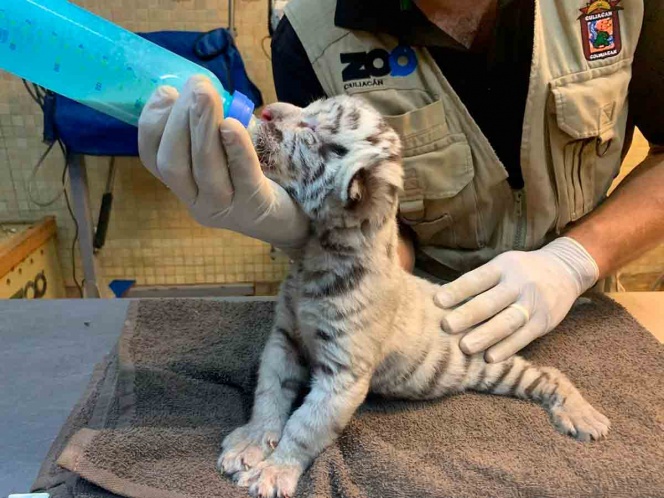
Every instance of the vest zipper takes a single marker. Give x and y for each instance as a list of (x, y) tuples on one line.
[(520, 221)]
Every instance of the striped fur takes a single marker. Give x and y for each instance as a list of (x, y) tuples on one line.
[(349, 319)]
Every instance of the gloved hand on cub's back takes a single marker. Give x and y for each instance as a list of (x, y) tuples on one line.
[(516, 297), (209, 162)]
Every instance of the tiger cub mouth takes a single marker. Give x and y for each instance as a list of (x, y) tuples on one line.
[(266, 142)]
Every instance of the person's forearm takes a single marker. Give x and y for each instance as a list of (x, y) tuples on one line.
[(630, 221)]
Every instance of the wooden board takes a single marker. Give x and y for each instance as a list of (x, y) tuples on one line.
[(29, 265), (38, 276), (15, 249)]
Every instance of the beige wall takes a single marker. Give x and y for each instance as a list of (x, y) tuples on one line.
[(151, 237)]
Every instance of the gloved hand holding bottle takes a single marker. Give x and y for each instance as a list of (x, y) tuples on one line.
[(209, 162)]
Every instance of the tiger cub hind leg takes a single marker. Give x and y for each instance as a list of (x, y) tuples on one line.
[(569, 412)]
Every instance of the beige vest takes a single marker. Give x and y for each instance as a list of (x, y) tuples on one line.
[(456, 196)]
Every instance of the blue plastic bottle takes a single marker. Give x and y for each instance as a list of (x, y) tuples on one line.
[(75, 53)]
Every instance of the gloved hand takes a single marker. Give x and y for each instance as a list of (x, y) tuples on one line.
[(519, 296), (209, 162)]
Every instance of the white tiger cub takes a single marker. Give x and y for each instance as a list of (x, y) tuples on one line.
[(349, 319)]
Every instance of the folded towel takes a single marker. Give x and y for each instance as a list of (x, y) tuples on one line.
[(151, 423)]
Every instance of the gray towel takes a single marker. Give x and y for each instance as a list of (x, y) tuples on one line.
[(151, 426)]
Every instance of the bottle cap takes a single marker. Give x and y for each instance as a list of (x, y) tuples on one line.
[(241, 108)]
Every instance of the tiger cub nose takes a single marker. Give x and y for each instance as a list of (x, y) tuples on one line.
[(266, 114)]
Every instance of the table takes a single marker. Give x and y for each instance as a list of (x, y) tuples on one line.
[(646, 307), (50, 347)]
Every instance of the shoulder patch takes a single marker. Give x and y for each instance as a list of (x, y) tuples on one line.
[(600, 29)]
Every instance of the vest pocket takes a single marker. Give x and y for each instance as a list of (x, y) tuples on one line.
[(443, 210), (582, 125), (439, 200)]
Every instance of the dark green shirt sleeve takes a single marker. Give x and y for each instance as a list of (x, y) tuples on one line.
[(646, 92), (294, 78)]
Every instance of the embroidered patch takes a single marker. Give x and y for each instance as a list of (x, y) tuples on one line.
[(600, 29)]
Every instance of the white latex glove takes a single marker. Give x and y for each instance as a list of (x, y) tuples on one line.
[(209, 162), (516, 297)]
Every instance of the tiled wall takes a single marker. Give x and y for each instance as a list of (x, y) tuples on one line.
[(151, 237)]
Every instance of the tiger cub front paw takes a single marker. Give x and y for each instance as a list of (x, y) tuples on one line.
[(246, 447)]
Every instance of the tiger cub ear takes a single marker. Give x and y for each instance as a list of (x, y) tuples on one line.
[(371, 190), (356, 189)]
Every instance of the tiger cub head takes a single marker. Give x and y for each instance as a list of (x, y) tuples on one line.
[(336, 157)]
